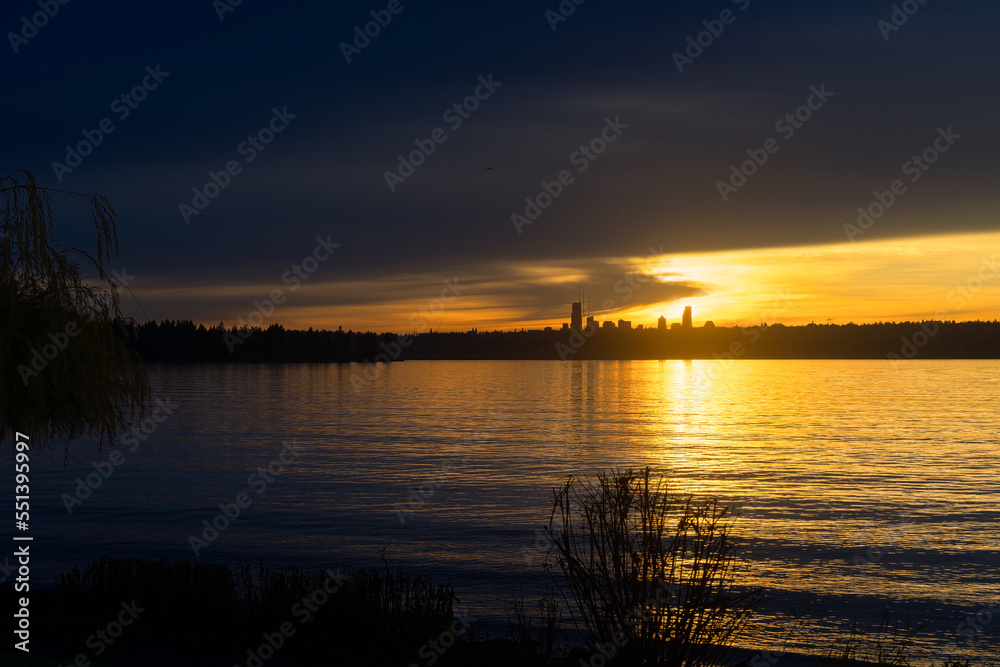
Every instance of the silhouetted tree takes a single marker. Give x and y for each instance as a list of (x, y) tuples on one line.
[(66, 368)]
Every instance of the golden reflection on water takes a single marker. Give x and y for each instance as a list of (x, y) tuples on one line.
[(827, 459)]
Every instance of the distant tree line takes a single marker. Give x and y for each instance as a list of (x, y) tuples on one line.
[(892, 340), (185, 341)]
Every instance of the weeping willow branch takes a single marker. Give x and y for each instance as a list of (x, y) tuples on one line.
[(66, 368)]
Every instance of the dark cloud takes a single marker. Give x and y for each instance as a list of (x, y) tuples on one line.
[(656, 184)]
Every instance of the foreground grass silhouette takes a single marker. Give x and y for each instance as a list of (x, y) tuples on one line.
[(193, 613), (645, 575), (115, 607)]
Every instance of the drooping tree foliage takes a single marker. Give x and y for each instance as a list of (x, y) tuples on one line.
[(66, 369)]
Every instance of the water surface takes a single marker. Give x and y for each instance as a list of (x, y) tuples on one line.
[(834, 463)]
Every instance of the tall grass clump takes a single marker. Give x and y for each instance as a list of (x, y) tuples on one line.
[(890, 645), (388, 611), (391, 605), (543, 637), (181, 595), (650, 573)]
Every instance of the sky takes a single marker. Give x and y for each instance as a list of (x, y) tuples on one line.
[(483, 165)]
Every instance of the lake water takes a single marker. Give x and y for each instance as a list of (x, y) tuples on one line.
[(834, 463)]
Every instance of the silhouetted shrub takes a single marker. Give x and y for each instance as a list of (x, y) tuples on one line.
[(650, 573)]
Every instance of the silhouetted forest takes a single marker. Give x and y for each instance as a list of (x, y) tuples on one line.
[(184, 341)]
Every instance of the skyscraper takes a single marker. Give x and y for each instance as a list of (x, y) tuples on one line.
[(576, 319), (686, 321)]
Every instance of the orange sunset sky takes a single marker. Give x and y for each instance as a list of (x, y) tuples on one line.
[(952, 277)]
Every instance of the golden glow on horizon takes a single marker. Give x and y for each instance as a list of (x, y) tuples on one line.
[(892, 280), (899, 279)]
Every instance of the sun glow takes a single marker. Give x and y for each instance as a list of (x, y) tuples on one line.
[(941, 277), (952, 277)]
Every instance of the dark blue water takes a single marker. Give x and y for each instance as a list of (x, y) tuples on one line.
[(863, 484)]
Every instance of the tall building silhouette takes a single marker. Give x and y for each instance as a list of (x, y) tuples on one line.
[(576, 319), (686, 321), (661, 324)]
